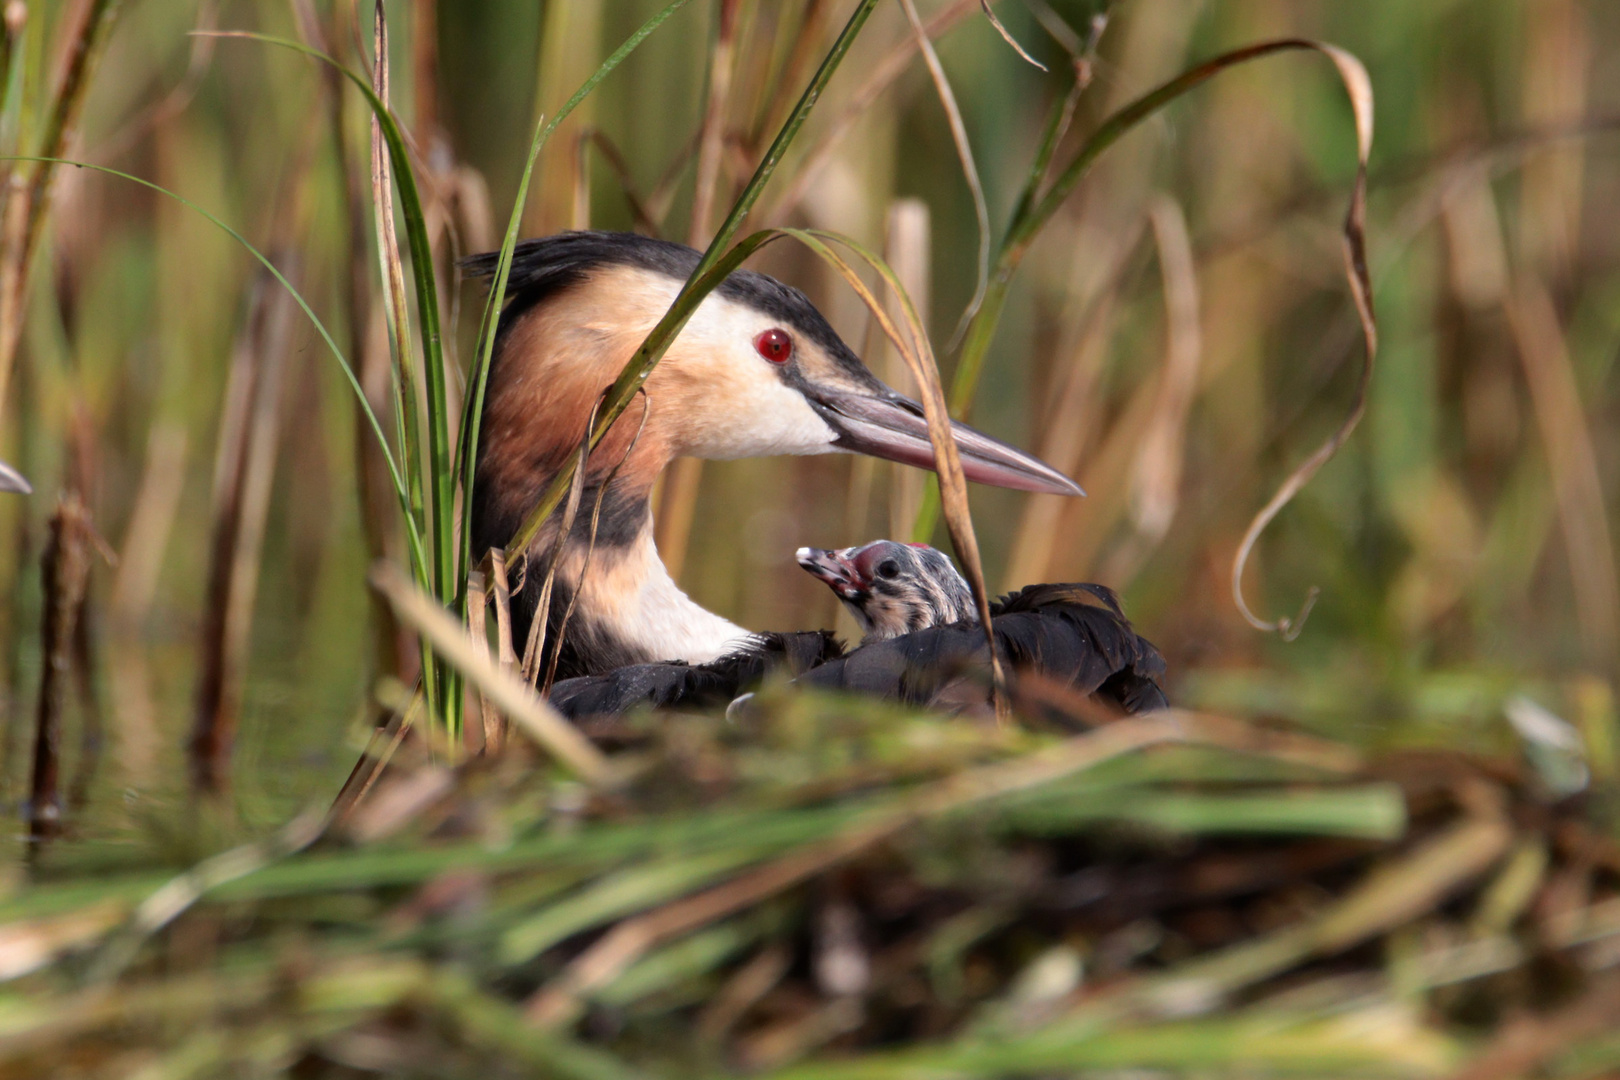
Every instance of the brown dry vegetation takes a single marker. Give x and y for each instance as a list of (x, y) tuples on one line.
[(829, 888)]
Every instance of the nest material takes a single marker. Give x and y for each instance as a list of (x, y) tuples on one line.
[(830, 888)]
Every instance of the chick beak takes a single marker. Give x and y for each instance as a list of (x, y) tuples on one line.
[(891, 426), (832, 567), (12, 480)]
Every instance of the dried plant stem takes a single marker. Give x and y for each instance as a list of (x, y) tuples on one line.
[(559, 1001), (677, 506), (1155, 484), (711, 269), (157, 499), (1572, 461), (448, 638), (392, 653), (883, 75), (66, 573), (28, 190), (243, 472), (964, 150)]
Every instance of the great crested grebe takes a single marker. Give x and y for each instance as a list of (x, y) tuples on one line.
[(757, 371)]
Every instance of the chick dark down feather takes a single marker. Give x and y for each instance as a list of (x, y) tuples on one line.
[(693, 685), (1076, 634)]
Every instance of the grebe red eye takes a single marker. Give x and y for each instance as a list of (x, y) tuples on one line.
[(774, 345)]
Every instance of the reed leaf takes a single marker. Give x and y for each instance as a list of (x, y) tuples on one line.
[(1036, 210), (710, 271)]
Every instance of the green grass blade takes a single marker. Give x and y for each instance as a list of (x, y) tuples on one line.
[(703, 278), (1034, 215), (467, 451), (320, 327)]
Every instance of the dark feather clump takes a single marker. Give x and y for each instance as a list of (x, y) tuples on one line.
[(693, 685), (1075, 634)]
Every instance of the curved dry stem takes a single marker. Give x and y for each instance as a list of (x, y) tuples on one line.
[(964, 151), (1006, 35), (542, 609), (919, 357), (883, 75), (1359, 88), (590, 546)]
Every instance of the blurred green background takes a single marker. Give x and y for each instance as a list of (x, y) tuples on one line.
[(1462, 539)]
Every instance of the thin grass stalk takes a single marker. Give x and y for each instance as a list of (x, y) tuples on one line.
[(964, 149), (66, 574), (1006, 35), (677, 508), (28, 199), (448, 638), (884, 74), (473, 417), (1572, 463), (244, 469), (298, 298), (1024, 230), (391, 647), (711, 269), (407, 409)]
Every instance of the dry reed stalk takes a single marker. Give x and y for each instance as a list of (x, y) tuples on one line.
[(500, 595), (425, 75), (93, 726), (1074, 403), (392, 654), (478, 632), (1474, 224), (807, 43), (146, 539), (712, 133), (393, 273), (570, 46), (677, 504), (580, 216), (134, 132), (907, 244), (1557, 56), (517, 699), (1155, 486), (244, 469), (908, 249), (28, 196), (964, 150), (66, 577), (1572, 461), (639, 211), (884, 73), (990, 15)]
